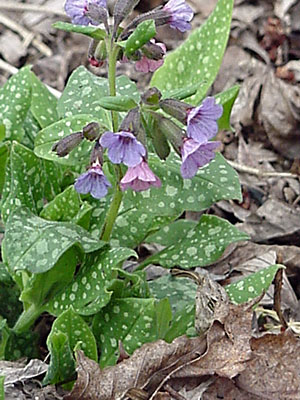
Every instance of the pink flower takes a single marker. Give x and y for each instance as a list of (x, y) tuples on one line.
[(139, 178)]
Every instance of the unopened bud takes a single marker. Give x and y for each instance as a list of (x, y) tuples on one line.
[(159, 141), (172, 132), (151, 96), (91, 131), (97, 14), (132, 123), (121, 10), (97, 154), (175, 108), (97, 53), (67, 144), (153, 51), (159, 16)]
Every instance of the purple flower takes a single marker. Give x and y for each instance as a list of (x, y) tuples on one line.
[(77, 9), (195, 155), (139, 178), (180, 15), (202, 121), (123, 147), (93, 181)]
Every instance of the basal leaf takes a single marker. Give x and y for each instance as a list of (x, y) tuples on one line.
[(63, 207), (34, 244), (43, 104), (201, 246), (171, 233), (214, 182), (90, 290), (23, 181), (182, 323), (4, 150), (15, 99), (200, 56), (253, 285), (31, 129), (130, 320), (70, 330), (85, 89), (62, 365)]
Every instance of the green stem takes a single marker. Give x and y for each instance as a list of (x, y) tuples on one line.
[(118, 195), (27, 318)]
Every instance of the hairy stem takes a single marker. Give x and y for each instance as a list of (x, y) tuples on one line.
[(118, 195)]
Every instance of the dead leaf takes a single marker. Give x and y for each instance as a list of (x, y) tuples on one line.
[(274, 371)]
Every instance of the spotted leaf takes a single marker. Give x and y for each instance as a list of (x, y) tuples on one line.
[(130, 320), (201, 246), (43, 103), (71, 331), (84, 90), (34, 244), (91, 31), (4, 150), (253, 285), (200, 56), (90, 291), (171, 233), (216, 181), (15, 100)]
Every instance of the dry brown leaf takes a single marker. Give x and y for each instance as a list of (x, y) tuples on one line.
[(274, 371)]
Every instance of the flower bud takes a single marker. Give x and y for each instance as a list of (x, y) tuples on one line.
[(67, 144), (91, 131), (153, 51), (159, 15), (97, 154), (97, 14), (159, 141), (172, 132), (151, 96), (97, 53), (132, 123), (122, 9), (176, 109)]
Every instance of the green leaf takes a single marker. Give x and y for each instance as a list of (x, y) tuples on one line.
[(200, 56), (182, 93), (171, 233), (34, 244), (90, 290), (39, 287), (253, 285), (132, 226), (183, 323), (4, 150), (50, 135), (180, 292), (10, 306), (91, 31), (130, 320), (140, 36), (31, 129), (201, 246), (117, 103), (15, 99), (43, 104), (2, 394), (85, 89), (214, 182), (24, 177), (62, 365), (63, 207), (68, 331), (227, 99), (163, 317), (2, 132)]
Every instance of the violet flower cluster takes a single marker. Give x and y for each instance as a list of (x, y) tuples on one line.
[(176, 13)]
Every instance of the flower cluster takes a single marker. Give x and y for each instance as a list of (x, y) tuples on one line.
[(176, 13)]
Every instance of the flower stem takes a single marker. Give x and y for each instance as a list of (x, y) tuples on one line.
[(118, 195), (27, 318)]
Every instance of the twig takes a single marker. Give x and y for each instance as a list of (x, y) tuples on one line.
[(260, 173), (277, 293), (27, 35), (13, 70), (7, 5)]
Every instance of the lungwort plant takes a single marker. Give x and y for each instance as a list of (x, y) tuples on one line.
[(88, 177)]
